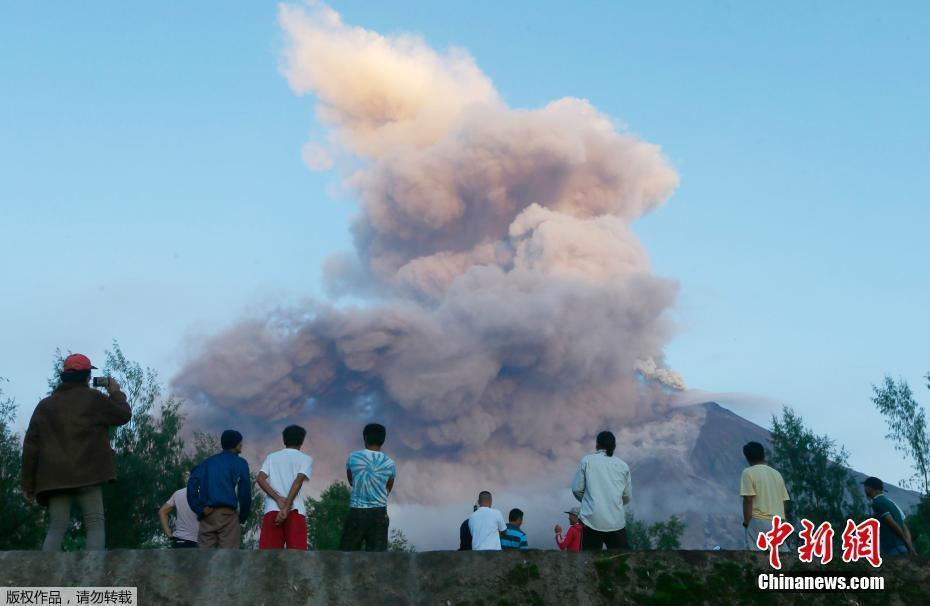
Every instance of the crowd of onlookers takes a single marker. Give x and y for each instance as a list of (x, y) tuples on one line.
[(67, 458)]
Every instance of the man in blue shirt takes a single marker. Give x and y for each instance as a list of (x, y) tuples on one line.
[(514, 537), (216, 487), (893, 535), (371, 475)]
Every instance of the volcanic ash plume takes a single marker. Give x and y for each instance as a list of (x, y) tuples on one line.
[(511, 312)]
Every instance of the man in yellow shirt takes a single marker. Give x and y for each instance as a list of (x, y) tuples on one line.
[(764, 495)]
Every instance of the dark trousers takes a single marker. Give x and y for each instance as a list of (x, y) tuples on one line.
[(177, 543), (368, 526), (594, 540)]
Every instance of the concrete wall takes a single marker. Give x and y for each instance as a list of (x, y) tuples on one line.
[(444, 578)]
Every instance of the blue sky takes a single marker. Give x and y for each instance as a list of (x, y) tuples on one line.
[(152, 190)]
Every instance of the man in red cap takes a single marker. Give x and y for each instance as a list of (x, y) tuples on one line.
[(66, 451)]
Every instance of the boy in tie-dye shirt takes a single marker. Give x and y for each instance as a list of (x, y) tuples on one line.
[(371, 475)]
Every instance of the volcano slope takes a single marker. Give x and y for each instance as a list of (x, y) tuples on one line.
[(688, 463)]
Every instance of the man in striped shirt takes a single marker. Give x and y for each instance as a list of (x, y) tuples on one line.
[(513, 537)]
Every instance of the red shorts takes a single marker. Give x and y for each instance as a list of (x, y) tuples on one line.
[(292, 534)]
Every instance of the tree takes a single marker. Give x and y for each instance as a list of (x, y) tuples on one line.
[(667, 534), (637, 534), (660, 535), (819, 482), (326, 516), (150, 455), (18, 522), (398, 542), (907, 427)]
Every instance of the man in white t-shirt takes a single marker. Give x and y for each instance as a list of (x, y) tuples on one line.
[(283, 474), (186, 525), (486, 525)]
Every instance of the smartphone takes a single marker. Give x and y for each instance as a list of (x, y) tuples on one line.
[(101, 381)]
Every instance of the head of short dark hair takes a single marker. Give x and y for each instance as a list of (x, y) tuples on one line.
[(374, 434), (294, 435), (484, 497), (606, 441), (75, 376), (230, 438), (515, 514), (754, 452)]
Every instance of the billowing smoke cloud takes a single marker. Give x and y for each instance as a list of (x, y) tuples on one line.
[(510, 312)]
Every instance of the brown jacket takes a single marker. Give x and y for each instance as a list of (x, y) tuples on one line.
[(67, 444)]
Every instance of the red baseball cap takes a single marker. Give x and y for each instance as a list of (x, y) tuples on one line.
[(77, 362)]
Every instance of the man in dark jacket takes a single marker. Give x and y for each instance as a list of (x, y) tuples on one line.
[(66, 451), (214, 490), (465, 534)]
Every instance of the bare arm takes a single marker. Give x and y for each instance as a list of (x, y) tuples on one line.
[(349, 475), (288, 504), (295, 489), (390, 485), (262, 480), (901, 532), (747, 510), (163, 516)]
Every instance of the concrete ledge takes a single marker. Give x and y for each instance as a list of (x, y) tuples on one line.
[(182, 577)]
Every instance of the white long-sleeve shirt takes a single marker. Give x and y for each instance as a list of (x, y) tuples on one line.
[(602, 484)]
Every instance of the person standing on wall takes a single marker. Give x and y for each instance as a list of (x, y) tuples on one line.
[(572, 540), (894, 538), (217, 486), (283, 475), (602, 485), (486, 524), (186, 527), (371, 475), (465, 533), (66, 451), (764, 496)]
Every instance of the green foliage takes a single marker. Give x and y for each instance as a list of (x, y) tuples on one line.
[(58, 364), (667, 534), (151, 460), (637, 534), (18, 519), (326, 516), (398, 542), (907, 427), (918, 522), (815, 471), (660, 535)]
